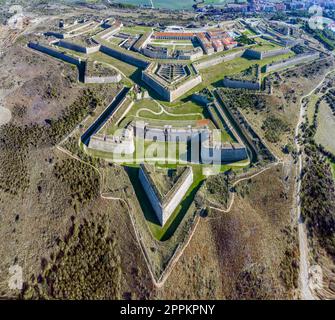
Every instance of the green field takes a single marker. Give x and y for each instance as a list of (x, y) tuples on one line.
[(135, 30), (127, 69), (116, 41), (213, 76), (148, 110), (266, 46)]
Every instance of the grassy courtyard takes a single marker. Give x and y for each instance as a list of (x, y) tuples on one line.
[(136, 30)]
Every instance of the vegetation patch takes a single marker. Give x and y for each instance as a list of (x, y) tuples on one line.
[(318, 199), (217, 188), (325, 36), (274, 128), (86, 266), (82, 180)]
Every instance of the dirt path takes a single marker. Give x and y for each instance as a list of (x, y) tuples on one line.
[(239, 181), (306, 293)]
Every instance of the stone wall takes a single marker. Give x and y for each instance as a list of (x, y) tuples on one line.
[(191, 55), (183, 186), (241, 84), (254, 54), (155, 202), (230, 152), (212, 154), (164, 91), (301, 58), (54, 53), (164, 211), (185, 87), (110, 31), (72, 33), (155, 54), (106, 115), (123, 56), (142, 41), (217, 60), (77, 47), (57, 35), (112, 144), (112, 79)]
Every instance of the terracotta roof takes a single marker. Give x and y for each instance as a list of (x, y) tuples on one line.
[(174, 34), (203, 122)]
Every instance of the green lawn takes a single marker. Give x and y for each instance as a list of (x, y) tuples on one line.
[(136, 30), (144, 103), (213, 76), (266, 46), (116, 41), (125, 68), (168, 117), (248, 32), (179, 108)]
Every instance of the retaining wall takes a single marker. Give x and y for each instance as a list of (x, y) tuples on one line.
[(113, 29), (111, 79), (54, 53), (155, 85), (303, 58), (107, 114), (156, 205), (165, 92), (226, 153), (178, 196), (78, 48), (185, 87), (217, 60), (254, 54), (164, 213), (112, 144), (124, 57), (241, 84)]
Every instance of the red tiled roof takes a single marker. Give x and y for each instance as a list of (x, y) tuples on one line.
[(173, 34), (203, 122)]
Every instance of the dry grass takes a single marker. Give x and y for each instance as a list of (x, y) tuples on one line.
[(326, 127), (249, 253)]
